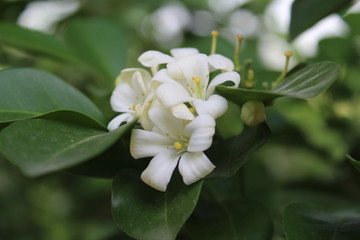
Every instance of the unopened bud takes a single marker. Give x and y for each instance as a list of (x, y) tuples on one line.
[(253, 113)]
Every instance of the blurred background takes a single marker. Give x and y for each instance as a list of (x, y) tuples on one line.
[(303, 159)]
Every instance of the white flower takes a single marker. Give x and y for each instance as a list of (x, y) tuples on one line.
[(173, 140), (133, 97), (186, 80), (153, 59)]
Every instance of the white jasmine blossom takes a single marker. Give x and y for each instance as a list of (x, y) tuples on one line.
[(186, 80), (133, 96), (173, 140)]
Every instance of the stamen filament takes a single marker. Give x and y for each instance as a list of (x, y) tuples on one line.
[(214, 35), (288, 55), (239, 39)]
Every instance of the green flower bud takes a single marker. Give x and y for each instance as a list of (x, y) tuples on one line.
[(253, 113)]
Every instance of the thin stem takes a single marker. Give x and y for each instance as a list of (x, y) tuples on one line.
[(214, 35)]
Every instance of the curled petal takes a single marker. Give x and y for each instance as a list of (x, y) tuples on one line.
[(217, 61), (183, 52), (195, 66), (147, 144), (116, 122), (153, 58), (162, 76), (200, 130), (123, 97), (182, 111), (126, 75), (221, 78), (171, 94), (165, 122), (194, 166), (215, 106), (161, 167)]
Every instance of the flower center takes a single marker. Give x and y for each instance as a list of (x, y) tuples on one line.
[(197, 80), (178, 145)]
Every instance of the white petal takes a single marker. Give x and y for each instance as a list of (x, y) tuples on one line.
[(161, 167), (215, 106), (154, 58), (195, 66), (123, 97), (218, 61), (201, 131), (182, 111), (126, 75), (163, 77), (171, 94), (194, 166), (183, 52), (175, 72), (147, 144), (165, 122), (116, 122), (221, 78)]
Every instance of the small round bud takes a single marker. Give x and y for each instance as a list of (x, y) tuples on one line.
[(253, 113)]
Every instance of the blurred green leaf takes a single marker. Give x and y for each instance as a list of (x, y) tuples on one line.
[(241, 219), (29, 93), (145, 213), (314, 10), (40, 146), (35, 41), (353, 161), (101, 44), (229, 155), (305, 83), (108, 164), (304, 222)]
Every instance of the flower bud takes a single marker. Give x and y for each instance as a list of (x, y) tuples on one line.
[(253, 113)]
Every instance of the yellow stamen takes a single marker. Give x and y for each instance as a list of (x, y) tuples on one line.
[(239, 39), (214, 35), (196, 79), (177, 145), (133, 107)]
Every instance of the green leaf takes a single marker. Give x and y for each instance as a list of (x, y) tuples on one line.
[(147, 214), (314, 10), (241, 219), (108, 164), (35, 41), (305, 83), (100, 43), (304, 222), (40, 146), (29, 93), (229, 155), (353, 161)]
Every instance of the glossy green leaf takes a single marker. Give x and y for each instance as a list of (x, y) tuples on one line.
[(229, 155), (354, 162), (29, 93), (147, 214), (39, 146), (314, 10), (35, 41), (305, 83), (241, 220), (100, 43), (304, 222), (108, 164)]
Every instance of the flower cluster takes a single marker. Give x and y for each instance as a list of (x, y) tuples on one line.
[(176, 107)]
